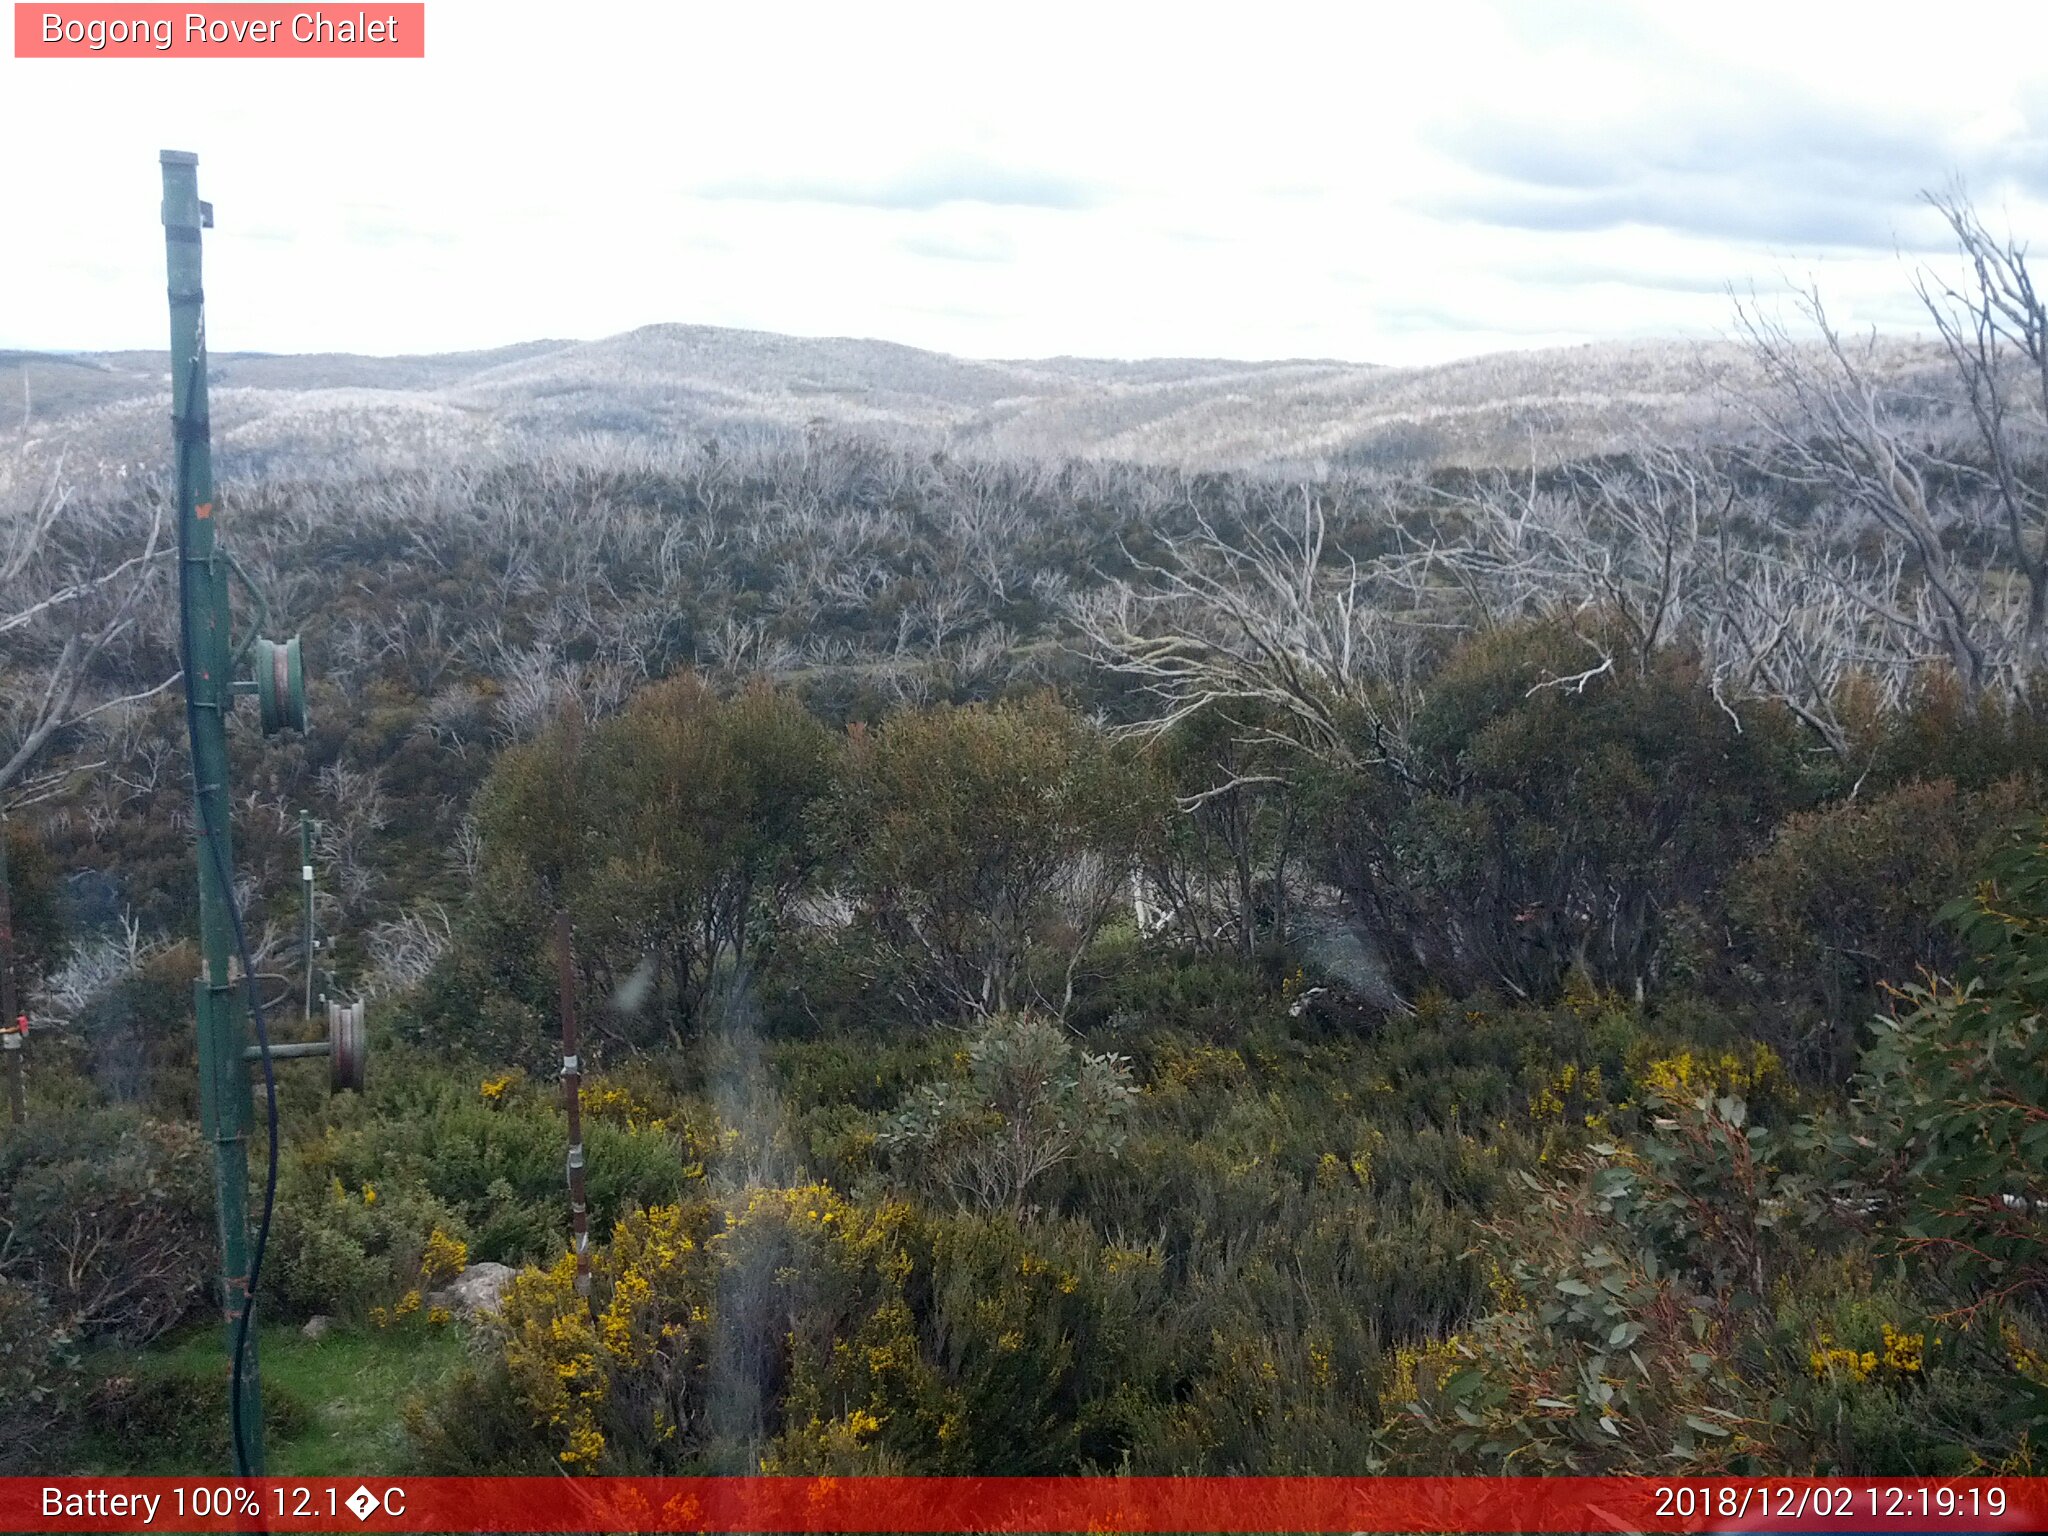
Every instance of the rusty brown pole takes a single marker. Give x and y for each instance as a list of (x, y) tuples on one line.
[(13, 1039), (13, 1031), (572, 1101)]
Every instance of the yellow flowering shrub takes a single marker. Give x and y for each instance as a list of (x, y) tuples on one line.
[(1903, 1352), (1755, 1075), (1319, 1368), (604, 1099), (604, 1371), (1827, 1360), (1181, 1070), (1572, 1088), (610, 1377), (389, 1317), (443, 1258), (1119, 1260), (1900, 1354), (886, 1339), (1362, 1159), (1585, 999), (1413, 1365), (551, 1358), (2030, 1362), (1502, 1287)]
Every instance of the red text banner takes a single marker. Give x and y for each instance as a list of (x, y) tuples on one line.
[(1024, 1504), (376, 31)]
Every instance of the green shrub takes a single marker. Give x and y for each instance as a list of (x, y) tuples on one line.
[(110, 1219), (986, 847), (1025, 1102), (479, 1153), (1940, 733), (1539, 824), (677, 836), (344, 1251), (136, 1038), (476, 1423), (493, 994), (1950, 1110), (35, 898), (38, 1381), (1215, 999), (1693, 1300), (1622, 1299), (177, 1418), (1845, 899)]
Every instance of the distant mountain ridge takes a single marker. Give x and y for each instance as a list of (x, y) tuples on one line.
[(311, 413)]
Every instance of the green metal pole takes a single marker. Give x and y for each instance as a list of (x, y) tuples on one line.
[(224, 1107), (306, 884)]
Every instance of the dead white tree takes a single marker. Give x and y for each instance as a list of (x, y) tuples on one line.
[(69, 598), (90, 967), (1658, 548), (1786, 629), (1836, 425), (404, 950), (357, 812), (1995, 329), (1952, 471), (1666, 546), (532, 683), (1294, 648), (1621, 539)]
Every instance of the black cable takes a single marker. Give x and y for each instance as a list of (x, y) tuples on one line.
[(212, 836)]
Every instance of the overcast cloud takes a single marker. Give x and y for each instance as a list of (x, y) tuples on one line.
[(1389, 183)]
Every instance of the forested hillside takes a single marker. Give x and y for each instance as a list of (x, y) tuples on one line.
[(1084, 965)]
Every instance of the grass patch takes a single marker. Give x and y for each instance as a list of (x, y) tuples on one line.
[(331, 1408)]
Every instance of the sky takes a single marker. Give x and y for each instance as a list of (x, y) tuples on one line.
[(1384, 182)]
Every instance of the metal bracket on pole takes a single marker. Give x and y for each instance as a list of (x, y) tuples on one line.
[(346, 1048)]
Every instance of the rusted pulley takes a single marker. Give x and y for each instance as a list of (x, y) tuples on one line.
[(347, 1046)]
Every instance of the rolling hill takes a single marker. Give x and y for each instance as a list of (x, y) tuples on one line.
[(314, 414)]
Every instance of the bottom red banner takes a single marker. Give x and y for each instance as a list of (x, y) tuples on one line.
[(1023, 1504)]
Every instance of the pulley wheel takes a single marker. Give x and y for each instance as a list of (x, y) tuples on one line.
[(347, 1046), (280, 686)]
